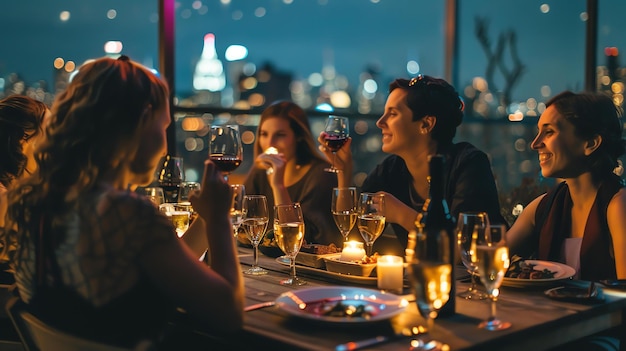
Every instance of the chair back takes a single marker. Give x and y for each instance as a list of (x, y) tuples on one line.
[(39, 336)]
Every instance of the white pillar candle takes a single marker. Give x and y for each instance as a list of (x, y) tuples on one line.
[(390, 273), (352, 251)]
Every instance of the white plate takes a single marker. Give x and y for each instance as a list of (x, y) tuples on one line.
[(354, 279), (306, 303), (561, 271)]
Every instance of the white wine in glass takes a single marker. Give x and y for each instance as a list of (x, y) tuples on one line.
[(344, 207), (492, 258), (371, 219), (468, 225), (289, 234), (255, 219)]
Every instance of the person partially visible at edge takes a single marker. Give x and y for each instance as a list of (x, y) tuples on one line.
[(420, 119), (581, 221), (98, 260), (296, 170), (21, 127)]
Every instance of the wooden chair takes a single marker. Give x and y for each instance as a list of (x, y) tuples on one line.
[(38, 336)]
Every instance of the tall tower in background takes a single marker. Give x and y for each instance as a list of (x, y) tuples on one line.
[(209, 74)]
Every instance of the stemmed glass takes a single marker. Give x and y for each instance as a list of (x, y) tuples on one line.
[(255, 218), (225, 148), (336, 133), (345, 210), (289, 234), (236, 211), (491, 255), (430, 273), (371, 220), (155, 194), (470, 224), (170, 177)]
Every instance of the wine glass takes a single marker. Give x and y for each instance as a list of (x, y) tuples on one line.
[(345, 210), (255, 218), (180, 218), (468, 225), (430, 274), (371, 220), (170, 177), (236, 211), (289, 234), (336, 133), (491, 255), (155, 194), (225, 148)]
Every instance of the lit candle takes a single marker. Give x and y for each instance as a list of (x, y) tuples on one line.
[(390, 272), (352, 251)]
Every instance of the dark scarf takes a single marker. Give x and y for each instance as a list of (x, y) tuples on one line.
[(597, 258)]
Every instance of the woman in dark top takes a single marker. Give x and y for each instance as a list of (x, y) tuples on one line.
[(420, 119), (294, 170), (581, 221)]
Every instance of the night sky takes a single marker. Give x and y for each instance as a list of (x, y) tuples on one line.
[(300, 36)]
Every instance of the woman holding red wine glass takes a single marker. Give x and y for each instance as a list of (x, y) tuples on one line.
[(225, 148), (288, 168)]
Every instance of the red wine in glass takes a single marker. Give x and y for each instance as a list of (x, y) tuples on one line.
[(226, 164), (225, 148), (335, 142), (336, 133)]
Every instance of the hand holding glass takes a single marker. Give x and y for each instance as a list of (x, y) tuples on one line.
[(469, 225), (255, 218), (371, 221), (225, 148), (491, 255), (345, 209), (336, 134), (289, 234)]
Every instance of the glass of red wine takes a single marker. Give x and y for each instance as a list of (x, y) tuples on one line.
[(225, 148), (336, 133)]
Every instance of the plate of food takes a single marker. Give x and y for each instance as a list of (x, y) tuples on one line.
[(524, 273), (324, 273), (312, 255), (341, 304)]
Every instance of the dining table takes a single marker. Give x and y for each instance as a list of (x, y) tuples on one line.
[(538, 322)]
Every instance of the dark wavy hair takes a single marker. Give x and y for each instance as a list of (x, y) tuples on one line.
[(93, 130), (429, 96), (594, 114), (21, 118), (306, 149)]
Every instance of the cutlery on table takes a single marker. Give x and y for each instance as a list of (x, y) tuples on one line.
[(258, 306), (380, 339)]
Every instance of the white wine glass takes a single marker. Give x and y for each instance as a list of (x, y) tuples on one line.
[(180, 217), (236, 211), (491, 255), (344, 207), (469, 225), (255, 218), (225, 148), (430, 274), (289, 234), (371, 219), (336, 134), (155, 194)]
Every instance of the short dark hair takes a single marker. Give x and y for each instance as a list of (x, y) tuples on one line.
[(429, 96), (21, 118), (594, 114)]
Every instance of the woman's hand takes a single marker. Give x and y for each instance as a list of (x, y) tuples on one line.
[(398, 212), (214, 199), (274, 164)]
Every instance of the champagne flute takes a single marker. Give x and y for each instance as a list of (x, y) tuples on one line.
[(468, 225), (345, 210), (289, 234), (491, 255), (236, 211), (170, 177), (430, 274), (336, 134), (371, 220), (255, 218), (225, 148)]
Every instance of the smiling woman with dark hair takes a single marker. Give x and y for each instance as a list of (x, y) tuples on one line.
[(420, 119)]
